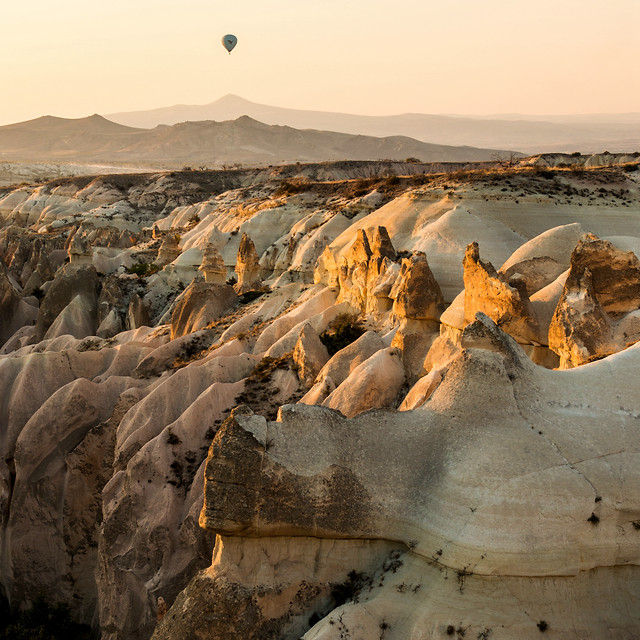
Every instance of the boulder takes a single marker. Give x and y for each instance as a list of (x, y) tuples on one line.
[(602, 288), (247, 267), (309, 354), (70, 282), (541, 260), (201, 304), (506, 303), (137, 313), (416, 294), (374, 383), (213, 266)]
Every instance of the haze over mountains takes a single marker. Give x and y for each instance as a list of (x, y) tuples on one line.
[(530, 134), (243, 140)]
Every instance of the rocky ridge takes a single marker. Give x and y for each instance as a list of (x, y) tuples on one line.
[(198, 363)]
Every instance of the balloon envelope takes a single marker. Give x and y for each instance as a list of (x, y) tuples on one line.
[(229, 42)]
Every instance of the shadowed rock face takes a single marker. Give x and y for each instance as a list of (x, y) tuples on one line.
[(70, 281), (503, 498), (246, 497), (9, 302), (201, 304)]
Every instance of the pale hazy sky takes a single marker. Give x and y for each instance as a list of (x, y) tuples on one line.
[(72, 58)]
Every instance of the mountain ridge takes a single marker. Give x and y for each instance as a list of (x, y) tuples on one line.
[(243, 140), (530, 134)]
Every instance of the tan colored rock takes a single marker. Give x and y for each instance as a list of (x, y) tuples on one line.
[(67, 447), (110, 326), (213, 266), (201, 304), (580, 329), (342, 363), (414, 339), (77, 319), (615, 273), (70, 281), (247, 267), (137, 313), (309, 354), (9, 305), (421, 391), (80, 250), (506, 303), (363, 267), (593, 302), (374, 383), (541, 260), (169, 250), (416, 294)]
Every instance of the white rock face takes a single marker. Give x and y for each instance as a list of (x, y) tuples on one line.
[(374, 383)]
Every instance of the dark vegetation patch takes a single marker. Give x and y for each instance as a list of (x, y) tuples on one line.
[(593, 519), (344, 329), (250, 296), (41, 622), (349, 590), (259, 393), (143, 269)]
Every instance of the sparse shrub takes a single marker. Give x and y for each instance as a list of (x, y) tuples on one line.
[(543, 626), (172, 438), (250, 296), (349, 589), (413, 160), (194, 219), (344, 329), (232, 280), (593, 519), (291, 187), (143, 269), (42, 622)]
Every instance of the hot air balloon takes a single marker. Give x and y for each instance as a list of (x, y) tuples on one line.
[(229, 42)]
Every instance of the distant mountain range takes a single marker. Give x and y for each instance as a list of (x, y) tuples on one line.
[(530, 134), (243, 140)]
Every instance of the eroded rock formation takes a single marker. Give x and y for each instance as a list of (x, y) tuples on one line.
[(475, 523), (486, 506)]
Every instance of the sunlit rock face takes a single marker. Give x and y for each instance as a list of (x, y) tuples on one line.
[(597, 313), (516, 498)]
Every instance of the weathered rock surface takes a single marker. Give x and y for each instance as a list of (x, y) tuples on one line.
[(504, 490), (213, 266), (602, 286), (416, 294), (521, 501), (247, 267), (506, 303), (309, 354), (201, 304), (341, 364), (374, 383), (70, 282)]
